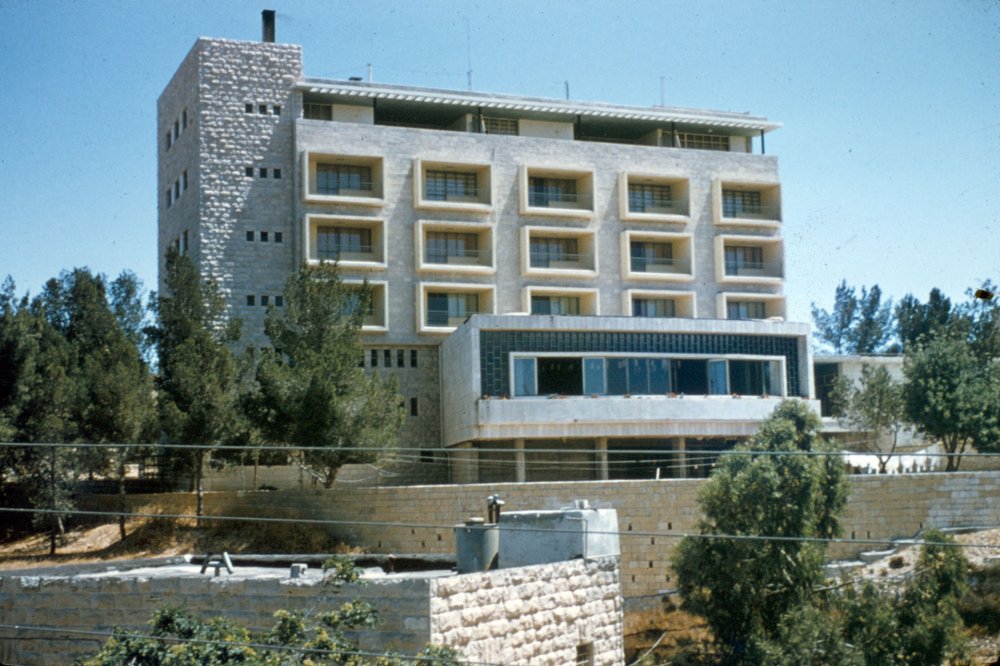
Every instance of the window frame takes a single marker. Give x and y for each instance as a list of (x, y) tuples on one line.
[(313, 223), (485, 233), (680, 188), (486, 304), (586, 246), (311, 163), (480, 204), (583, 207)]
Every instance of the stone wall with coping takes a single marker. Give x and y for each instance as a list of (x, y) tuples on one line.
[(421, 517), (536, 614)]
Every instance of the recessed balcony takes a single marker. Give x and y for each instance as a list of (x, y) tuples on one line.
[(352, 242), (454, 247), (749, 204), (751, 260), (452, 186), (557, 192), (442, 307), (653, 198), (558, 251), (656, 256), (343, 179)]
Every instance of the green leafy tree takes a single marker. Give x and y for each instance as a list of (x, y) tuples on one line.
[(308, 388), (953, 397), (743, 587), (180, 639), (918, 322), (198, 387), (919, 626), (876, 410), (857, 325)]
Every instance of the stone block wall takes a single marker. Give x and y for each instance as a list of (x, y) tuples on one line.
[(539, 614), (536, 615), (652, 515)]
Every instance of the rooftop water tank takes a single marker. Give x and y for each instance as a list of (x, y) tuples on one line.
[(540, 537)]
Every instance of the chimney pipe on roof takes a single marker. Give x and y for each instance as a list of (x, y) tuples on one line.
[(267, 24)]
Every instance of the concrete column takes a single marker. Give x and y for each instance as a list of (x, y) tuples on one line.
[(520, 471), (680, 460), (601, 448), (464, 463)]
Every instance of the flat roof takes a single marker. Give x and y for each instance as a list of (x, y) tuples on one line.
[(348, 91)]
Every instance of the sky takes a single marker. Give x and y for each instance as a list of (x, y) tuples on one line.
[(889, 153)]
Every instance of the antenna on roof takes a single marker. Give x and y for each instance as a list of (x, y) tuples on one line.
[(662, 79), (566, 84), (468, 52)]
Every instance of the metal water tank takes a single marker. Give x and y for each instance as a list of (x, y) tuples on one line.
[(477, 544), (540, 537)]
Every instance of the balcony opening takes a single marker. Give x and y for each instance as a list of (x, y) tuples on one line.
[(337, 178), (555, 305), (653, 307), (552, 193), (749, 260), (452, 186), (746, 310), (649, 256), (351, 241), (556, 192), (747, 204), (443, 247), (562, 376), (450, 309), (650, 198), (371, 304)]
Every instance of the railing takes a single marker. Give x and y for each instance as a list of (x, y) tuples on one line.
[(673, 207), (362, 189), (754, 269), (466, 257), (445, 318), (355, 253), (563, 260), (750, 212), (660, 265), (470, 195), (557, 199)]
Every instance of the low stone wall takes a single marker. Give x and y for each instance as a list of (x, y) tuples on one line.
[(539, 614), (420, 518), (83, 598), (542, 614)]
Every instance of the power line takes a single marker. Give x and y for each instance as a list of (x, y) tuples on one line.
[(513, 528)]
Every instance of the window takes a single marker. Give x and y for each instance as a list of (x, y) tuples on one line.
[(278, 236), (248, 108), (264, 300), (450, 186), (413, 407), (277, 173), (170, 141), (585, 654), (508, 126), (445, 247), (741, 260), (279, 301), (331, 179), (545, 251), (262, 109), (276, 110), (449, 309), (653, 307), (177, 189), (703, 141), (745, 310), (263, 237), (400, 358), (374, 355), (263, 172), (413, 358), (333, 242), (184, 181), (544, 192), (647, 256), (555, 305), (312, 111), (249, 172), (649, 197), (250, 236), (387, 358), (177, 130), (524, 377), (739, 203), (169, 198), (251, 299), (184, 119)]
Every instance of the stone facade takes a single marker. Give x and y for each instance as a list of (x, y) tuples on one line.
[(243, 135), (516, 615)]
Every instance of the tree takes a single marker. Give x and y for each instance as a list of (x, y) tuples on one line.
[(198, 388), (833, 328), (918, 322), (953, 397), (857, 325), (181, 639), (744, 586), (309, 389), (875, 408)]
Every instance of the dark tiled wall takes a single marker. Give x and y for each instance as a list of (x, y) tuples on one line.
[(495, 348)]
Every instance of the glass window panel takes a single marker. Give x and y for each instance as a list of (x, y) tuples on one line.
[(659, 375), (717, 378), (643, 196), (617, 376), (736, 203), (332, 178), (638, 376), (524, 377), (593, 376), (445, 185)]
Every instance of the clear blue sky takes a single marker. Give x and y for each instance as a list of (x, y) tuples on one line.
[(889, 155)]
